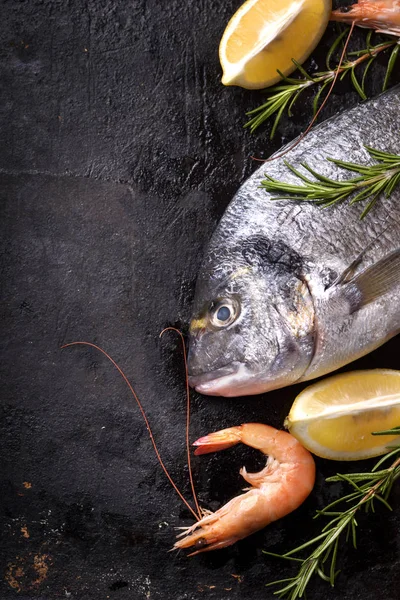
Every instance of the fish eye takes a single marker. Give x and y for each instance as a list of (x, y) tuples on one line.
[(224, 312)]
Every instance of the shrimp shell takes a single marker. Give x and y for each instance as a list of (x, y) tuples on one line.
[(381, 15), (278, 489)]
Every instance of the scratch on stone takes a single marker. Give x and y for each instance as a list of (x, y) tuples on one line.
[(186, 94), (205, 111), (67, 175), (117, 49)]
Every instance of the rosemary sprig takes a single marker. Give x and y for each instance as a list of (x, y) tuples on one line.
[(284, 96), (322, 561), (373, 180)]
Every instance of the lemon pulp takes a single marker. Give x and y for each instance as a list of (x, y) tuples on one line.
[(335, 418), (264, 36)]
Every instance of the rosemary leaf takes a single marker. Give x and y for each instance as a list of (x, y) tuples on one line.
[(356, 84), (390, 67), (342, 525), (372, 182), (333, 49), (283, 97), (364, 77)]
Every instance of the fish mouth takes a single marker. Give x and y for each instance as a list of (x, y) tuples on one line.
[(235, 379), (219, 381)]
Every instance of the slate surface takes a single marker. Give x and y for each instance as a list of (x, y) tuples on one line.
[(119, 152)]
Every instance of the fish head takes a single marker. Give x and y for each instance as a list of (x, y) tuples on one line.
[(253, 322)]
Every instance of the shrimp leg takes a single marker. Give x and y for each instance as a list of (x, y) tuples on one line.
[(278, 489)]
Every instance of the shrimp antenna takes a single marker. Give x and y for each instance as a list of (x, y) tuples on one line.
[(143, 415), (321, 108), (187, 415)]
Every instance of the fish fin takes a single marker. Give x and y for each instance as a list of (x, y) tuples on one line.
[(348, 274), (372, 283)]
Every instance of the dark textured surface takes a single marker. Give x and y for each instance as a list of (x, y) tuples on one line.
[(120, 150)]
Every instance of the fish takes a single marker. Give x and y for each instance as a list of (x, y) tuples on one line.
[(289, 291)]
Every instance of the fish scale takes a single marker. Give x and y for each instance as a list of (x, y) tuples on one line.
[(343, 140), (262, 354)]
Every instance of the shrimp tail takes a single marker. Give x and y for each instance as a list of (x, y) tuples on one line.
[(219, 440)]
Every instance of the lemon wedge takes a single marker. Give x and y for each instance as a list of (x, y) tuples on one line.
[(335, 417), (263, 36)]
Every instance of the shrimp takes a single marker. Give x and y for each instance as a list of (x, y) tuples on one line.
[(278, 489), (381, 15)]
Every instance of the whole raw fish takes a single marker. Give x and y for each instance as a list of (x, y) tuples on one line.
[(289, 291)]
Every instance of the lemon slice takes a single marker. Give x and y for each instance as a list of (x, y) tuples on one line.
[(265, 35), (335, 417)]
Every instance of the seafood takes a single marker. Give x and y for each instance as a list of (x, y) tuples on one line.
[(381, 15), (289, 291), (275, 491)]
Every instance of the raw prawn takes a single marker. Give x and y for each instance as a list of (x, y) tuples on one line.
[(381, 15), (275, 491)]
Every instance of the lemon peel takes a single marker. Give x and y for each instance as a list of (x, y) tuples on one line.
[(334, 418), (264, 36)]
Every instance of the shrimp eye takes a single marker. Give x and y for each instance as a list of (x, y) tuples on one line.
[(224, 312)]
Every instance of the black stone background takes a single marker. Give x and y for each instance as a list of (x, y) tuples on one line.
[(120, 150)]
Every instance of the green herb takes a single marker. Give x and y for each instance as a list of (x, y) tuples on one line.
[(373, 180), (284, 96), (368, 488)]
